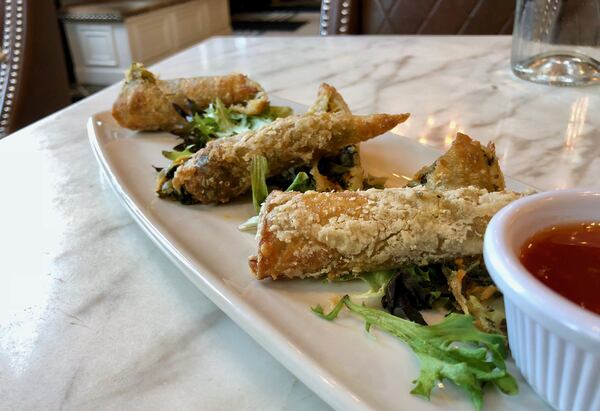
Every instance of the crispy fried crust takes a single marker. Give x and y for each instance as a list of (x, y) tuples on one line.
[(466, 163), (221, 170), (146, 103), (329, 100), (311, 234)]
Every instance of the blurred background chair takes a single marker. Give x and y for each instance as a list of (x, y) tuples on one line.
[(33, 73), (417, 16)]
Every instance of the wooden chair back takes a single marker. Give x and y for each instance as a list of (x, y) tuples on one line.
[(417, 16), (33, 73)]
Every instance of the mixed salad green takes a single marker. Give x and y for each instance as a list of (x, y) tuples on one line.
[(453, 349), (217, 121), (462, 285), (468, 347)]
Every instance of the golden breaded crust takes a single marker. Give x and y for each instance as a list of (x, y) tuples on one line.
[(311, 234), (466, 163), (146, 103), (221, 171), (329, 100)]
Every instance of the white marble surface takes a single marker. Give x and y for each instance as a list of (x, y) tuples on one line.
[(93, 316)]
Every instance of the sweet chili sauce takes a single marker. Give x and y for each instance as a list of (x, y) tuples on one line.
[(567, 259)]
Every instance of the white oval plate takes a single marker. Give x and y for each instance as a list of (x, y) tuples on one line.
[(337, 360)]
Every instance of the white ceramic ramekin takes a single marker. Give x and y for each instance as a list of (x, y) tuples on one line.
[(555, 343)]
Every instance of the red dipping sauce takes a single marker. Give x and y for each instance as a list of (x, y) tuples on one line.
[(567, 259)]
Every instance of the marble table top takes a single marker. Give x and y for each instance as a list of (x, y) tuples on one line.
[(94, 316)]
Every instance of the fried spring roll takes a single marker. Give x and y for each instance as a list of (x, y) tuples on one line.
[(221, 171), (312, 234), (466, 163), (146, 103)]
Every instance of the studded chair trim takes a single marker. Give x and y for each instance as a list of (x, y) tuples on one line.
[(12, 47)]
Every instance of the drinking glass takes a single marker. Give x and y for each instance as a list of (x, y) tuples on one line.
[(557, 42)]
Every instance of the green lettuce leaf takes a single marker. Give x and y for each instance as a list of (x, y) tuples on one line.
[(415, 288), (260, 190), (217, 121), (258, 175), (206, 126), (454, 349), (250, 225), (177, 155), (196, 133), (221, 115), (259, 169), (302, 183), (377, 282)]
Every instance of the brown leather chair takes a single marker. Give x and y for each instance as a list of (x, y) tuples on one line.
[(33, 73), (417, 16)]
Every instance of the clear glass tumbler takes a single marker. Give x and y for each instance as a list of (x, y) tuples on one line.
[(557, 42)]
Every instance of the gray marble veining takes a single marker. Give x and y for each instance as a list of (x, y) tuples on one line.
[(93, 316)]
